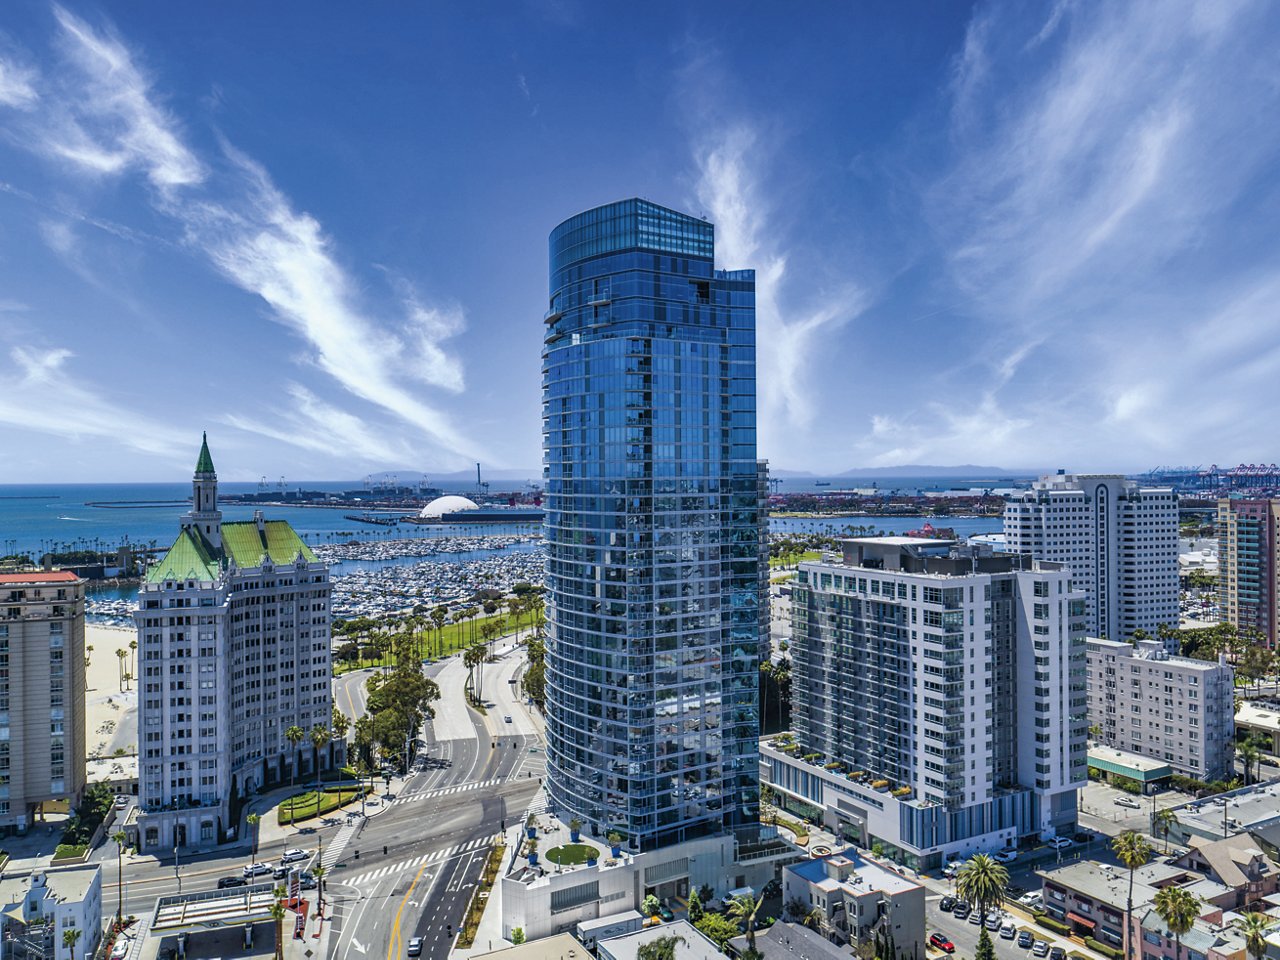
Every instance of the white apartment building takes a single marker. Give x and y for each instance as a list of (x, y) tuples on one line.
[(42, 907), (1120, 540), (42, 738), (938, 696), (234, 649), (1175, 709)]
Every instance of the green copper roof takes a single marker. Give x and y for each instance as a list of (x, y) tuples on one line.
[(243, 543), (189, 558), (205, 463)]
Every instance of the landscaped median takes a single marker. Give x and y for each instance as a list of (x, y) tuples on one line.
[(69, 853), (310, 804)]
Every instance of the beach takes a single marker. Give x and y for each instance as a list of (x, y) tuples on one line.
[(111, 716)]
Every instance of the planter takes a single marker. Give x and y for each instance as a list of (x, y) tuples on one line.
[(591, 861), (533, 859), (573, 836), (615, 850), (531, 832)]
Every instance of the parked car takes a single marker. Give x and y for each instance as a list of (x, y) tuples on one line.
[(665, 912), (975, 918), (1057, 953), (414, 947), (993, 920), (947, 904), (961, 910), (122, 800), (952, 868), (1040, 948), (1009, 930), (772, 889), (256, 870), (294, 855), (942, 943), (121, 949), (1129, 802), (1005, 856), (1032, 899), (1025, 939), (1059, 843), (225, 882)]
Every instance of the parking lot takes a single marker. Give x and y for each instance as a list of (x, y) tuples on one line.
[(965, 935)]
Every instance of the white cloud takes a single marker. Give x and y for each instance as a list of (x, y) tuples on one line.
[(16, 85), (41, 394), (104, 118), (786, 335)]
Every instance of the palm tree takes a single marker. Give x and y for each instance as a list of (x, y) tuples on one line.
[(277, 914), (1254, 926), (254, 819), (660, 948), (1162, 821), (133, 649), (295, 735), (1132, 849), (1249, 754), (69, 940), (318, 872), (1178, 908), (816, 919), (744, 910), (319, 737), (120, 656), (981, 881), (122, 840)]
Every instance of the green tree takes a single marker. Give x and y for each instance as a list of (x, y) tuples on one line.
[(69, 940), (649, 906), (695, 906), (717, 928), (1254, 926), (340, 724), (1132, 849), (660, 948), (981, 881), (517, 936), (277, 914), (295, 735), (985, 950), (745, 909), (318, 871), (1178, 908), (122, 840), (1162, 821), (319, 737)]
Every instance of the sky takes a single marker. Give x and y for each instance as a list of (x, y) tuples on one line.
[(1025, 235)]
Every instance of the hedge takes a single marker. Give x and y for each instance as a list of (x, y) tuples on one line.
[(1056, 926), (70, 851), (307, 805), (1115, 953)]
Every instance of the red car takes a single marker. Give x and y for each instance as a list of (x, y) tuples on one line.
[(942, 943)]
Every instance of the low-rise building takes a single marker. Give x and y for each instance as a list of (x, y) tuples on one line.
[(43, 907), (790, 941), (1109, 762), (1251, 810), (1211, 937), (1176, 709), (1236, 862), (691, 945), (1262, 718), (1091, 897), (858, 899), (560, 946)]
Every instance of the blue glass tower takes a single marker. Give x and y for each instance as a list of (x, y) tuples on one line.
[(652, 506)]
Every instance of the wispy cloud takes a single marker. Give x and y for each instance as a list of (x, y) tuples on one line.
[(77, 412), (101, 115), (16, 89), (727, 187)]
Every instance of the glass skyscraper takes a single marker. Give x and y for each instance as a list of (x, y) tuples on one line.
[(653, 541)]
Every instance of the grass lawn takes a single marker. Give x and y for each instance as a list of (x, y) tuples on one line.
[(792, 559), (69, 851), (308, 804), (454, 637), (572, 854)]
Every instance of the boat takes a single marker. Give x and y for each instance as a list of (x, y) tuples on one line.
[(822, 483), (370, 518)]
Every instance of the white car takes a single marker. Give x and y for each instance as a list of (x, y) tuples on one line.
[(1005, 856), (256, 870), (294, 855), (1032, 899), (1129, 802), (1059, 843), (121, 949), (1009, 930)]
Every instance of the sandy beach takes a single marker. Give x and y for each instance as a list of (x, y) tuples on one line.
[(111, 716)]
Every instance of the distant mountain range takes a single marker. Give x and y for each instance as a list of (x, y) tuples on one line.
[(461, 476), (967, 470)]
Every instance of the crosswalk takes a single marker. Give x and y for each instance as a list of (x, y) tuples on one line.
[(333, 852), (470, 846), (445, 791)]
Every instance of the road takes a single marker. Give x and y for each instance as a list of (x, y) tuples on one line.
[(411, 868)]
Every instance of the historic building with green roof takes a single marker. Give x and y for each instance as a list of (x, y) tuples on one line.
[(234, 638)]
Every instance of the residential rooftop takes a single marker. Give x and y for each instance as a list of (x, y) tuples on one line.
[(38, 577), (558, 946), (1250, 808), (861, 875), (790, 941), (1109, 884), (627, 946), (64, 885), (245, 543)]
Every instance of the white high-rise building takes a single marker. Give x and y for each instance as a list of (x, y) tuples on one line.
[(1120, 540), (943, 689), (234, 649)]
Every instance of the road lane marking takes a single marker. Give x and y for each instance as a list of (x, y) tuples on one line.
[(392, 947)]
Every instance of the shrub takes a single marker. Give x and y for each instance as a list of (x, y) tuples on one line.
[(1126, 784), (1105, 949), (69, 851), (1056, 926)]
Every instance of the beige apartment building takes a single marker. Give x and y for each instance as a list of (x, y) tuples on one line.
[(42, 736)]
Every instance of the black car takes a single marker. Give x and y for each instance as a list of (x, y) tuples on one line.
[(1084, 836), (772, 889), (1057, 953), (1026, 938), (947, 904), (226, 882), (962, 910)]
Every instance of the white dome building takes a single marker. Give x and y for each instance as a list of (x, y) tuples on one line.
[(440, 506)]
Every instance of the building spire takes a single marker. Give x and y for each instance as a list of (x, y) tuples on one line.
[(205, 463)]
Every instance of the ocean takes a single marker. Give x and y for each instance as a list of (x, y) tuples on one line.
[(38, 518)]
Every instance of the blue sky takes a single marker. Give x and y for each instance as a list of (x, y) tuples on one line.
[(1015, 234)]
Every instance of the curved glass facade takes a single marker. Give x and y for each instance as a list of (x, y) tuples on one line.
[(653, 541)]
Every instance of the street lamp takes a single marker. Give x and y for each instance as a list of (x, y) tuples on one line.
[(176, 874)]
